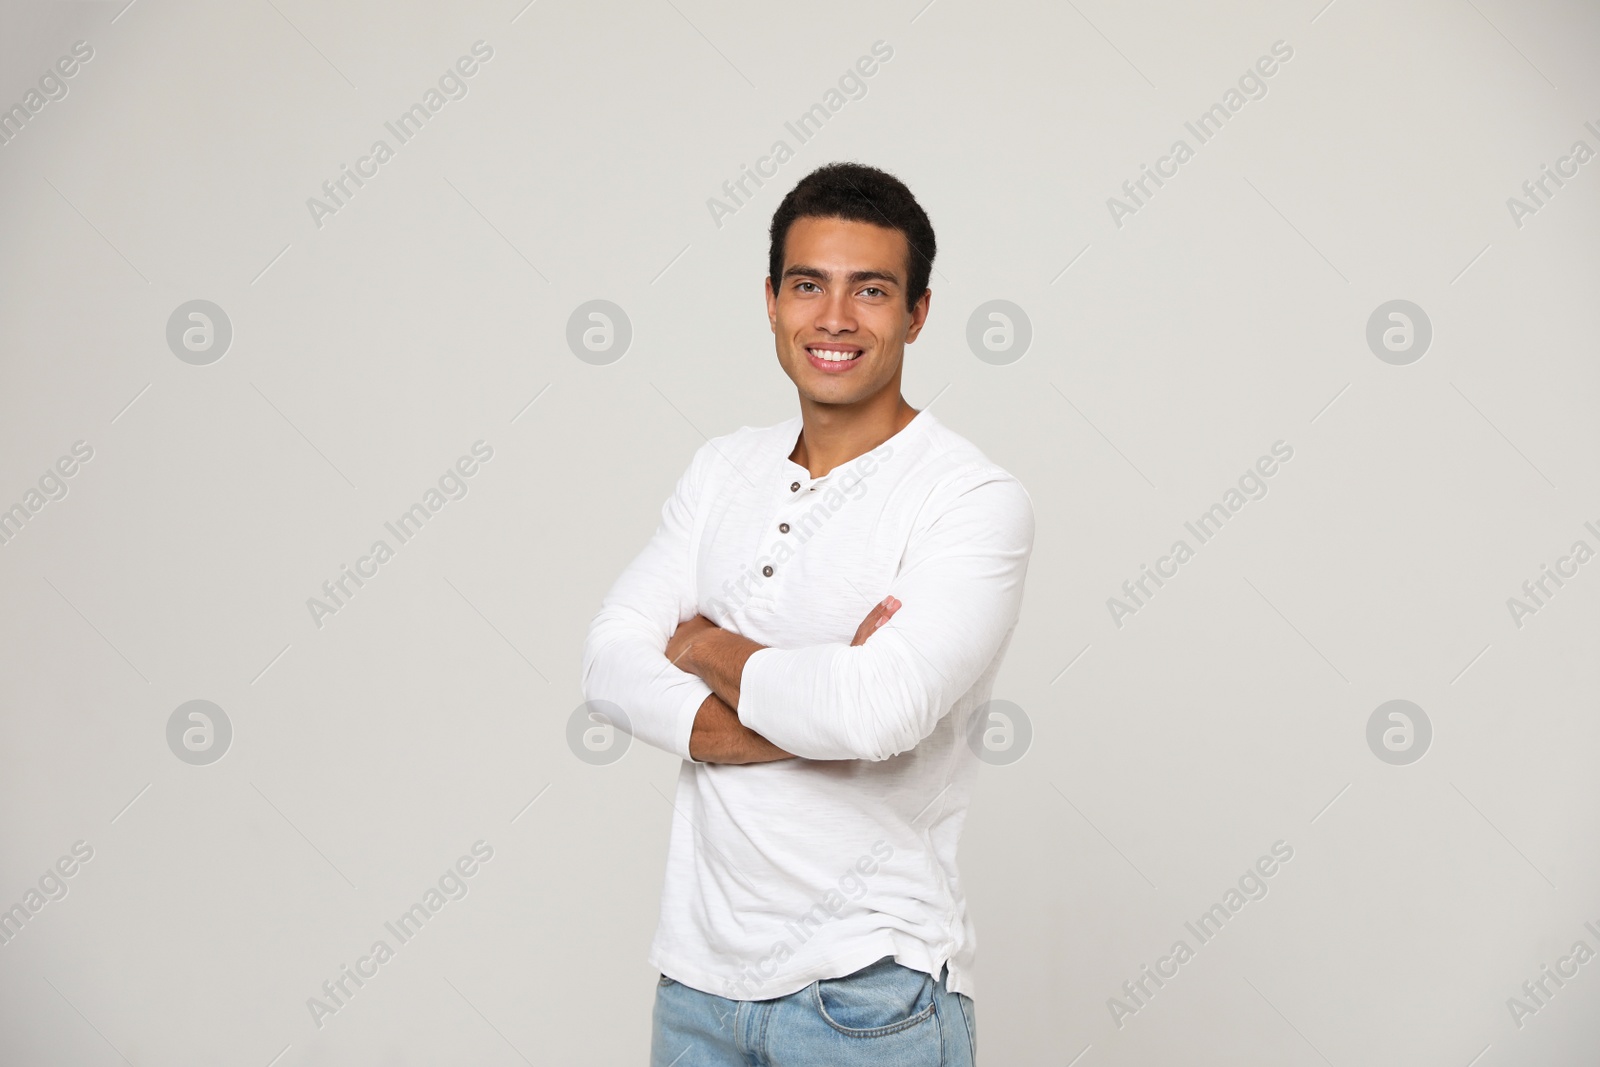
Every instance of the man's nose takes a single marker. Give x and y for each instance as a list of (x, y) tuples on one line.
[(836, 315)]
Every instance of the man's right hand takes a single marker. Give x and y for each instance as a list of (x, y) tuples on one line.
[(880, 613), (718, 735)]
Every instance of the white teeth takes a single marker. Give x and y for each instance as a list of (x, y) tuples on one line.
[(831, 356)]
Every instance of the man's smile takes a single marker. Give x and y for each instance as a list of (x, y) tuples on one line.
[(833, 358)]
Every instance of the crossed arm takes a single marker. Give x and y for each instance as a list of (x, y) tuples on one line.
[(717, 657), (677, 679)]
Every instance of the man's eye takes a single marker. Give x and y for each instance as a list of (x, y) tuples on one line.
[(873, 289), (802, 285)]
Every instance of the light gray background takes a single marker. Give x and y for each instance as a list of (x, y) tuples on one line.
[(369, 353)]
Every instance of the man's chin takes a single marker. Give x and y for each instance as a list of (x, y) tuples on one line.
[(836, 396)]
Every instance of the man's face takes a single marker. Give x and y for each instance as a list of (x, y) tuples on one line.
[(843, 294)]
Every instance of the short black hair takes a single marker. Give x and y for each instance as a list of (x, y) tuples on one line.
[(858, 193)]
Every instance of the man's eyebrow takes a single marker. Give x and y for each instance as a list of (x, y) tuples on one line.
[(856, 277)]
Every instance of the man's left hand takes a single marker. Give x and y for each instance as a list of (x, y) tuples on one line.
[(684, 636)]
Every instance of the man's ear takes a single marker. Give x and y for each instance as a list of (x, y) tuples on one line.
[(919, 315), (772, 304)]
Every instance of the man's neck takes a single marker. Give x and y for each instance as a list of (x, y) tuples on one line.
[(832, 434)]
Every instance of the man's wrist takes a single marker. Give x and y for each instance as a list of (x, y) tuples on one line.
[(719, 737), (690, 660), (717, 657)]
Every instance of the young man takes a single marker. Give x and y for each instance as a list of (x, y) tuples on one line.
[(816, 621)]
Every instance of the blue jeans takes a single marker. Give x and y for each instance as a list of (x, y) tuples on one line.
[(884, 1015)]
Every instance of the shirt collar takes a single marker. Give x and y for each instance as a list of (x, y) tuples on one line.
[(902, 439)]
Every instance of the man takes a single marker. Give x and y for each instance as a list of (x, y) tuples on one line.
[(813, 627)]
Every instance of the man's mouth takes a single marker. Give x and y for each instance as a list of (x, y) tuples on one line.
[(832, 355)]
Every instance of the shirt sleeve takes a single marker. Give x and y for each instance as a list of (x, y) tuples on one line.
[(624, 654), (960, 588)]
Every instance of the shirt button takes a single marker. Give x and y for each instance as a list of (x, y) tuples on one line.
[(783, 527), (794, 488), (767, 571)]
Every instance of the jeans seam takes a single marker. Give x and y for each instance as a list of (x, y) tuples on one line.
[(944, 1028), (972, 1031)]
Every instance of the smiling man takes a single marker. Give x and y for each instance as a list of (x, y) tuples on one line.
[(813, 628)]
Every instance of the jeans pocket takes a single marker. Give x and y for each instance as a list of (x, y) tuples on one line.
[(881, 998), (665, 981)]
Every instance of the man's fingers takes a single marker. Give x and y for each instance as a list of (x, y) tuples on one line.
[(879, 615), (868, 624)]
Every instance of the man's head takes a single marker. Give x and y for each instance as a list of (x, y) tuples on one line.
[(848, 274)]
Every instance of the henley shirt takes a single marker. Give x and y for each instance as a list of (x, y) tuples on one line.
[(785, 872)]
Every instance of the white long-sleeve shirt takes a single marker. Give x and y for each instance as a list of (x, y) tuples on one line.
[(782, 873)]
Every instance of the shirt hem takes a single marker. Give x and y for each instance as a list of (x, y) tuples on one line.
[(907, 951)]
